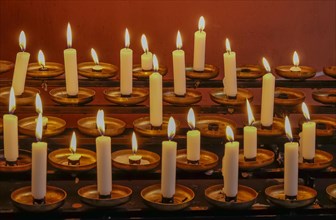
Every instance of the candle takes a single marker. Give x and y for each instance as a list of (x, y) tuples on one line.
[(39, 109), (21, 65), (199, 46), (146, 57), (126, 67), (10, 131), (168, 170), (70, 65), (267, 96), (74, 158), (96, 67), (155, 95), (230, 166), (193, 139), (250, 136), (308, 135), (230, 79), (39, 164), (103, 152), (179, 68), (296, 63), (41, 61), (134, 158)]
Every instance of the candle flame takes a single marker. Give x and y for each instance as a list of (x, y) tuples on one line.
[(127, 39), (73, 143), (69, 36), (100, 122), (266, 65), (94, 56), (296, 60), (41, 58), (12, 101), (178, 40), (305, 111), (249, 113), (22, 41), (134, 143), (201, 24), (227, 45), (288, 129), (191, 118), (38, 104), (144, 43), (39, 127), (155, 63), (229, 134), (171, 128)]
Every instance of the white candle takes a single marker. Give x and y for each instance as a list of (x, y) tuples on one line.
[(168, 170), (39, 109), (199, 46), (103, 151), (39, 164), (296, 63), (308, 135), (193, 139), (70, 66), (155, 96), (126, 67), (179, 68), (250, 135), (230, 83), (146, 57), (21, 65), (96, 67), (267, 96)]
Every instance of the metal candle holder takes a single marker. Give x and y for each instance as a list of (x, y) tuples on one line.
[(325, 96), (330, 71), (250, 72), (207, 161), (60, 96), (108, 70), (5, 66), (277, 128), (191, 96), (214, 126), (306, 72), (321, 161), (325, 125), (113, 126), (22, 164), (50, 70), (264, 158), (138, 95), (286, 100), (331, 191), (139, 73), (54, 126), (210, 72), (144, 127), (26, 98)]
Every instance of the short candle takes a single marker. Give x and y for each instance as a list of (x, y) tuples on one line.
[(74, 158), (250, 136), (39, 109), (193, 139), (134, 158), (147, 56), (296, 63), (308, 135), (96, 67), (41, 61)]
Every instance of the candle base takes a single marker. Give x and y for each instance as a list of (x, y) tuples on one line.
[(308, 160), (39, 201), (131, 161), (105, 196), (209, 72), (230, 198), (43, 69), (194, 162), (290, 197), (213, 127), (250, 159), (73, 162), (167, 200), (11, 163)]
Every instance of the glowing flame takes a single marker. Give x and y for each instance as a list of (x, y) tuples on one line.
[(288, 129), (39, 128), (144, 43), (100, 122), (94, 56), (171, 128), (191, 118), (134, 144), (266, 65), (155, 63), (12, 102), (127, 39), (178, 40), (38, 104), (305, 111), (41, 59), (69, 36), (229, 134), (227, 45), (201, 24), (73, 143), (22, 41), (249, 113), (296, 60)]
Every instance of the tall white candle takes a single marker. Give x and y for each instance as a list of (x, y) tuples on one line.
[(179, 67), (21, 65), (193, 139), (146, 57), (250, 135), (126, 67), (199, 46), (70, 66), (308, 135), (168, 169), (155, 95), (267, 96), (230, 83)]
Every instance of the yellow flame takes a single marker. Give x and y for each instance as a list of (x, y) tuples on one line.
[(155, 63), (100, 122), (144, 43), (39, 127), (127, 39), (191, 118), (171, 128), (69, 36), (266, 65), (12, 101), (201, 23), (178, 40), (22, 41), (229, 133), (227, 45), (288, 129), (94, 56), (305, 111), (38, 104), (134, 143), (296, 60), (73, 143), (249, 113), (41, 59)]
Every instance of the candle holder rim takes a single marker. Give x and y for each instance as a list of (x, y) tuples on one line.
[(298, 96), (118, 128), (256, 72), (139, 73), (331, 191), (330, 71), (208, 160), (192, 96), (141, 125), (305, 73), (325, 96), (109, 70), (137, 96), (217, 95), (24, 162), (54, 70), (322, 160), (210, 72), (26, 98), (264, 158), (59, 95), (203, 121)]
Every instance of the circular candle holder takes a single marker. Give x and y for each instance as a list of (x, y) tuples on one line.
[(207, 161), (108, 70), (144, 127), (322, 160), (60, 96), (192, 96), (26, 98), (330, 71), (54, 126), (182, 198), (219, 97), (113, 126), (59, 159), (305, 196), (214, 126), (249, 72), (325, 96), (119, 195), (209, 72), (139, 73), (288, 97), (246, 197), (325, 125), (149, 160), (264, 158), (331, 191), (23, 162), (23, 199), (305, 73), (5, 66), (138, 95), (277, 128), (50, 70)]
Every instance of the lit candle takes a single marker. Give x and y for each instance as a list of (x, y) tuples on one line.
[(155, 95), (126, 65), (74, 158), (41, 61), (267, 96), (134, 158), (199, 46), (103, 152), (21, 65), (70, 65), (230, 78), (179, 68), (10, 131), (230, 166), (296, 63), (308, 136), (291, 163), (193, 139), (39, 109), (168, 170), (250, 136), (96, 67), (39, 165), (146, 57)]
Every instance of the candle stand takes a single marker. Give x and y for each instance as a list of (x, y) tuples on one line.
[(214, 126), (60, 96), (137, 96), (325, 96), (207, 161), (86, 69), (144, 127), (22, 164), (113, 126), (50, 70), (264, 158), (286, 100), (250, 72), (53, 127), (210, 72), (191, 96), (306, 72), (5, 66), (141, 74), (330, 71), (331, 191), (26, 98), (325, 125)]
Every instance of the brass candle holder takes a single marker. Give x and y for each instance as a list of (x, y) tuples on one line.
[(330, 71), (5, 66), (250, 72), (26, 98), (214, 126), (191, 96), (148, 162), (331, 191), (305, 196), (54, 126), (306, 72), (139, 73), (60, 96), (325, 96), (264, 158), (138, 95), (219, 97), (107, 70), (113, 126), (182, 198), (50, 70), (22, 164), (144, 127), (23, 199), (119, 195), (325, 125), (207, 161), (288, 97), (321, 161), (210, 72), (246, 197), (277, 128)]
